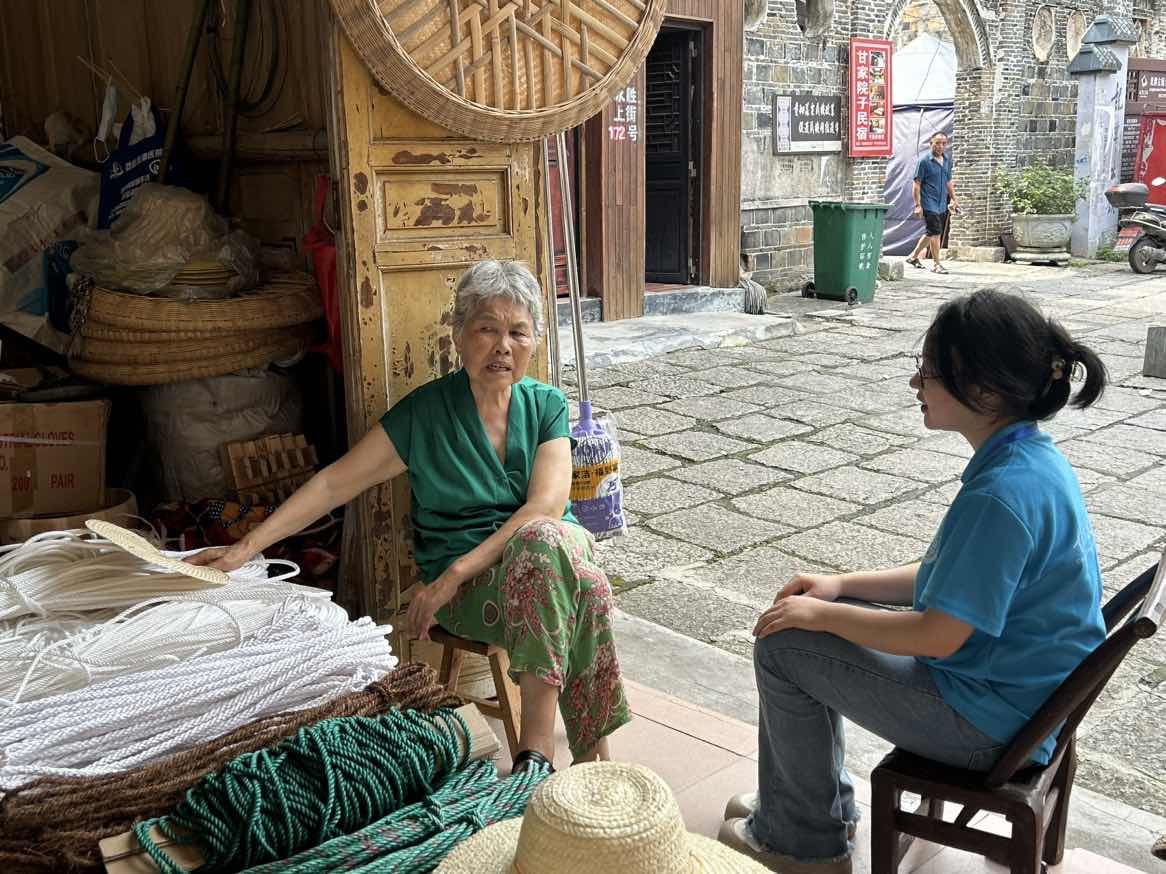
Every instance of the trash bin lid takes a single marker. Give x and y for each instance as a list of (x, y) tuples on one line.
[(847, 205)]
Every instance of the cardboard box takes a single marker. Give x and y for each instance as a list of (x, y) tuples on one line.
[(52, 457)]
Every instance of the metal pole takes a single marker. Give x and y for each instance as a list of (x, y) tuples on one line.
[(231, 111), (556, 361), (572, 265), (192, 40)]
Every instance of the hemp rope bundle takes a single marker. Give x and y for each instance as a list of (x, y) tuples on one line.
[(73, 571), (126, 721), (327, 780), (56, 823), (147, 636), (418, 837)]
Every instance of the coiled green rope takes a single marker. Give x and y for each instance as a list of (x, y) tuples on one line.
[(418, 837), (327, 780)]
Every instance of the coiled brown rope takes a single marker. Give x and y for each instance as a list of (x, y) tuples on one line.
[(54, 824)]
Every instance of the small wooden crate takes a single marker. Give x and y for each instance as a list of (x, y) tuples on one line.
[(268, 470)]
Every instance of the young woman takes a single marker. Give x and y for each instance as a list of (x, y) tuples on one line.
[(1006, 602)]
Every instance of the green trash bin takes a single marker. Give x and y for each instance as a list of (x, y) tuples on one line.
[(848, 240)]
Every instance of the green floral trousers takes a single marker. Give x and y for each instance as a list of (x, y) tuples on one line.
[(549, 605)]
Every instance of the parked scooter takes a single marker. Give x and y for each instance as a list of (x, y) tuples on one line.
[(1142, 231)]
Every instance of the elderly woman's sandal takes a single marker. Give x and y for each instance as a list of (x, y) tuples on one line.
[(529, 758)]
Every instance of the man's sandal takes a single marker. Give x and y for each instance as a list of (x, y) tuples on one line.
[(914, 262), (939, 268), (528, 759)]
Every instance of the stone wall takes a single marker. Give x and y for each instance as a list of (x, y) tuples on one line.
[(1011, 106), (920, 17)]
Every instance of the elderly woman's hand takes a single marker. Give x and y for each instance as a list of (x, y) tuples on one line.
[(425, 604)]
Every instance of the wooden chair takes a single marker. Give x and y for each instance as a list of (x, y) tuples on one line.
[(1034, 799), (506, 705)]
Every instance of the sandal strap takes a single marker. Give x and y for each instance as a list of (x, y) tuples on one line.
[(531, 757)]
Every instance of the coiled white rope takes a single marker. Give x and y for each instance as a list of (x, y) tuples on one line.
[(76, 571), (297, 661), (145, 637)]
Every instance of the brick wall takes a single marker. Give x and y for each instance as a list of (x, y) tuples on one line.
[(1006, 112)]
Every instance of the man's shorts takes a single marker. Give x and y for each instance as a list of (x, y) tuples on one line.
[(934, 222)]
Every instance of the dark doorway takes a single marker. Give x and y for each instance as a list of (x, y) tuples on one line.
[(672, 123)]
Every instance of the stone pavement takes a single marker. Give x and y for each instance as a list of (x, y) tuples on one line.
[(743, 464)]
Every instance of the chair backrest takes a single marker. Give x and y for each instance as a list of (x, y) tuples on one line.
[(1067, 706)]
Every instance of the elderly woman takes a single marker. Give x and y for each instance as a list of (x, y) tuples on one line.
[(488, 454)]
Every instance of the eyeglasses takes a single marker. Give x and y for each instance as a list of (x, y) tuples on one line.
[(923, 375)]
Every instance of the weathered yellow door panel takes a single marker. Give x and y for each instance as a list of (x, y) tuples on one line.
[(420, 205)]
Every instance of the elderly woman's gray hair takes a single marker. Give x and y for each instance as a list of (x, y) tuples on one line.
[(490, 279)]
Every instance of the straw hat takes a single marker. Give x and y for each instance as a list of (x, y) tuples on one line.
[(598, 817), (140, 547)]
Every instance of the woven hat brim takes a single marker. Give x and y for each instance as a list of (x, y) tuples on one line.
[(491, 851), (139, 547)]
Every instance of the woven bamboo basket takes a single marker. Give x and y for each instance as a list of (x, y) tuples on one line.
[(92, 330), (288, 344), (278, 304), (191, 350), (503, 70)]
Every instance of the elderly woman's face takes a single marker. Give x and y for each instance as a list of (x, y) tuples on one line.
[(496, 343)]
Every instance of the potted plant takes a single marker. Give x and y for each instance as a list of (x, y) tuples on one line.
[(1044, 205)]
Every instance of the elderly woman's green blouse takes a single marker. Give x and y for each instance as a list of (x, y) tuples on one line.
[(462, 492)]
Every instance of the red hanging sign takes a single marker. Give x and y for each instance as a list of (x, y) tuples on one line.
[(870, 98)]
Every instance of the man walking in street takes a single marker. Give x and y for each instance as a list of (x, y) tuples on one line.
[(934, 195)]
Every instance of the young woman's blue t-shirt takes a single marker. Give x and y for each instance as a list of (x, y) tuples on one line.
[(1015, 559)]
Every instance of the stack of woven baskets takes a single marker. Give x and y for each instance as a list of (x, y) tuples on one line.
[(131, 339)]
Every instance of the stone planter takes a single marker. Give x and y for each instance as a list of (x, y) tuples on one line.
[(1042, 238)]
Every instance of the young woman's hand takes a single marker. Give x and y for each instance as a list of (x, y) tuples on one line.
[(824, 587), (796, 611)]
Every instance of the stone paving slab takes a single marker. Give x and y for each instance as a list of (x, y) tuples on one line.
[(634, 462), (656, 495), (711, 409), (1125, 501), (730, 475), (765, 396), (696, 445), (800, 457), (653, 422), (716, 528), (815, 413), (915, 518), (761, 428), (643, 553), (852, 547), (1112, 460), (857, 440), (850, 483), (677, 386), (755, 575), (794, 508), (1131, 437), (928, 467)]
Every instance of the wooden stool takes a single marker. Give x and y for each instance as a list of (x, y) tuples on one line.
[(506, 705)]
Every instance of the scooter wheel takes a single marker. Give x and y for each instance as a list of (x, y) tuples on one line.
[(808, 290), (1141, 259)]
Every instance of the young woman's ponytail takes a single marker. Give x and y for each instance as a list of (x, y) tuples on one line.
[(1096, 376)]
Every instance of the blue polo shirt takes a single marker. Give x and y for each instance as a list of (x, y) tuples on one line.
[(1015, 559), (933, 178)]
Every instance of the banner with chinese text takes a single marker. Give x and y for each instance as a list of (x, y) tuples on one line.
[(871, 128)]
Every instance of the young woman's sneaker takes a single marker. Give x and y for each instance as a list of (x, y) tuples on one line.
[(735, 833), (744, 806)]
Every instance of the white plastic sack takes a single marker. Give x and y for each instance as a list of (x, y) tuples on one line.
[(43, 199), (187, 423)]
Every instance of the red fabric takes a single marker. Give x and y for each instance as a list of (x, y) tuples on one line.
[(322, 244)]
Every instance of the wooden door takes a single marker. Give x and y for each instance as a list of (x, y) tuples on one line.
[(668, 220), (419, 205), (562, 287)]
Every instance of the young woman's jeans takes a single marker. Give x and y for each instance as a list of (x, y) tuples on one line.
[(807, 682)]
